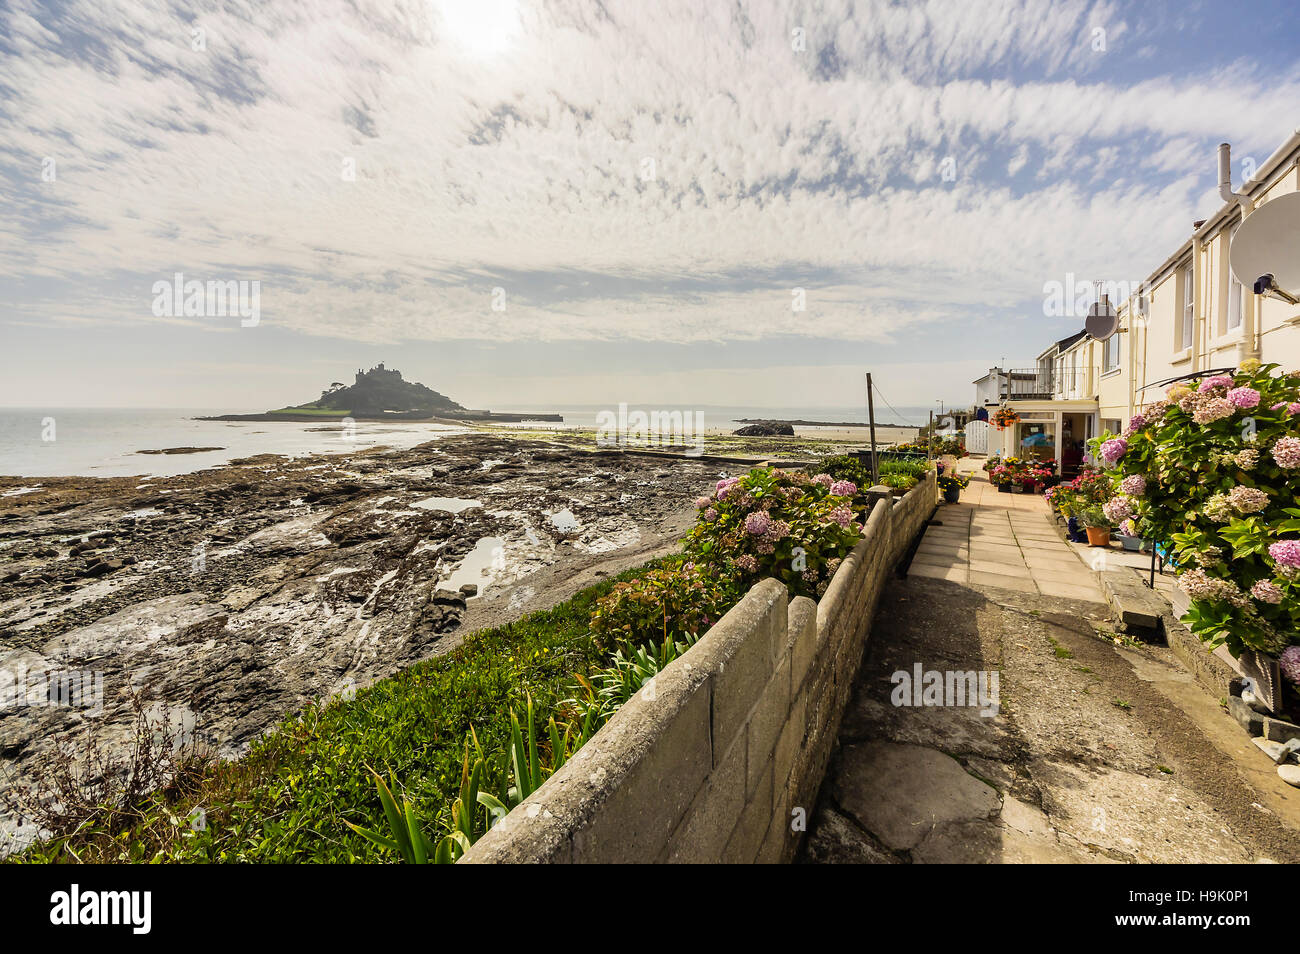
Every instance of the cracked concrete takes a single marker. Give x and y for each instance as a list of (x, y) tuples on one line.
[(1093, 757)]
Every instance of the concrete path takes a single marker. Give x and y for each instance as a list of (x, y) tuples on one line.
[(1099, 749), (1003, 540)]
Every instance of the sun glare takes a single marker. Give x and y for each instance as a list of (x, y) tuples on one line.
[(480, 27)]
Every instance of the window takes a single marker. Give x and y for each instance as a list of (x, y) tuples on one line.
[(1110, 353), (1189, 298), (1234, 296)]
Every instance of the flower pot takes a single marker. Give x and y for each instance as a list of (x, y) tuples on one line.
[(1075, 531), (1098, 536), (1131, 543), (952, 495), (1004, 488), (1028, 486)]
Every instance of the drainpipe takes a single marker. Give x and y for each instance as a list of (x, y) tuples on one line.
[(1249, 347)]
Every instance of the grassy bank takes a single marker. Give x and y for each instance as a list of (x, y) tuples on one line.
[(288, 799)]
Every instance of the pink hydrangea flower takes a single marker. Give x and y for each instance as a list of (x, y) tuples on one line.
[(1243, 397), (702, 502), (757, 524), (1215, 409), (1287, 452), (1117, 509), (843, 516), (747, 563), (1218, 381), (1266, 591), (723, 486), (1285, 552), (1247, 499), (710, 515), (844, 488), (826, 480), (1135, 485), (1113, 449), (1290, 664)]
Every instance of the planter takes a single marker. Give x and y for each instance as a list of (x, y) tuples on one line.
[(1131, 543), (1017, 488), (953, 495), (1028, 486), (1004, 488), (1075, 532), (1098, 536)]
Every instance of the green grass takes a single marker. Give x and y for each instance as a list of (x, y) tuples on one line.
[(288, 799), (1061, 651)]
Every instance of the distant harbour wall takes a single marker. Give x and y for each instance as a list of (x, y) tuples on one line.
[(721, 758)]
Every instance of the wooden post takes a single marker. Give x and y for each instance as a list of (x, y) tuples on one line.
[(929, 438), (871, 418)]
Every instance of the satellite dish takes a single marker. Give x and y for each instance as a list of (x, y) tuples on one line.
[(1268, 243), (1102, 321)]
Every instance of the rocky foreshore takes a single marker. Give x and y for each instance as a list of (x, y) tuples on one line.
[(231, 597)]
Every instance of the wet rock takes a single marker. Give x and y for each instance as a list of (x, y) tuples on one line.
[(765, 429)]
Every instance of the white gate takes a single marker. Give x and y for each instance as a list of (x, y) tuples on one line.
[(977, 437)]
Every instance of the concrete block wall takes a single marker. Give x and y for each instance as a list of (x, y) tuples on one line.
[(720, 759)]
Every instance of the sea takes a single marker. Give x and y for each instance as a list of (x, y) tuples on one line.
[(106, 442)]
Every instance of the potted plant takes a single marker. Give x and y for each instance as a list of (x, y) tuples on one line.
[(1097, 525), (952, 484), (1004, 417)]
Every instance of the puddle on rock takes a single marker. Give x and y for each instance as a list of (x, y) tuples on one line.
[(480, 566), (448, 504)]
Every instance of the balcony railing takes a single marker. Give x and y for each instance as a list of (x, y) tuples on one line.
[(1046, 384)]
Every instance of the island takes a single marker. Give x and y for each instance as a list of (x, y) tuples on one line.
[(382, 394)]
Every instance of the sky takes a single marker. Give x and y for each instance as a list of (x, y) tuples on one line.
[(571, 202)]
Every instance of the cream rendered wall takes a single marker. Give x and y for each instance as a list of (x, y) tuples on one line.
[(1154, 361)]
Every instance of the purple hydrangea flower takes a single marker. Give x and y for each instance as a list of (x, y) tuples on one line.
[(844, 488), (826, 480), (757, 524), (1113, 449), (747, 563)]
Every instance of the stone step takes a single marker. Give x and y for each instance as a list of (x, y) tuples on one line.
[(1138, 607)]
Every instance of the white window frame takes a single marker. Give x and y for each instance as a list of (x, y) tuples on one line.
[(1235, 295), (1187, 324), (1110, 356)]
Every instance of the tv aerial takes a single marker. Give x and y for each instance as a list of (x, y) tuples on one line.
[(1102, 321), (1265, 252)]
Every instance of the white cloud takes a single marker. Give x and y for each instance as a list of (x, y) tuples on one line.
[(486, 161)]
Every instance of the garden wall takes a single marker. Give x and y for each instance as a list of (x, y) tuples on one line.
[(725, 750)]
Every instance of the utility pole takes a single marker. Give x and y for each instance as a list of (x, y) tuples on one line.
[(871, 418), (929, 437)]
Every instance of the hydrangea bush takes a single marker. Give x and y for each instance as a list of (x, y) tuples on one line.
[(783, 524), (789, 525), (1214, 469)]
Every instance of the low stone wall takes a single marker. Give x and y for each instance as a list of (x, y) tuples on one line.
[(720, 759)]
